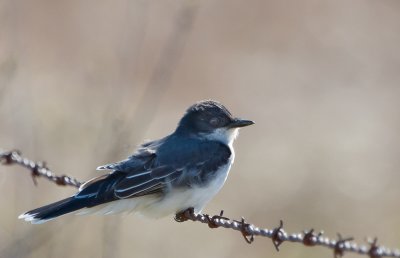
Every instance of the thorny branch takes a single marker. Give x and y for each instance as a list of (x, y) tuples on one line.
[(278, 235)]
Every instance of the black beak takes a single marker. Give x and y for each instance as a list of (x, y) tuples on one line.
[(237, 122)]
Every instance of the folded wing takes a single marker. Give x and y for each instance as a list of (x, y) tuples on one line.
[(151, 170)]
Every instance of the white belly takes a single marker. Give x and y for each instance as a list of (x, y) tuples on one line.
[(179, 200)]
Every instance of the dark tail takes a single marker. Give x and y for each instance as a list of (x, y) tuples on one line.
[(53, 210), (94, 192)]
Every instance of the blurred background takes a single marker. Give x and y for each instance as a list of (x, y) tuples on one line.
[(82, 83)]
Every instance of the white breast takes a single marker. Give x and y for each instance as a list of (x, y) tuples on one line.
[(197, 197)]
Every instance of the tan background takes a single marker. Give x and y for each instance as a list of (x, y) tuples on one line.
[(83, 82)]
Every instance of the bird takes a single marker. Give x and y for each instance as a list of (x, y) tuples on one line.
[(181, 171)]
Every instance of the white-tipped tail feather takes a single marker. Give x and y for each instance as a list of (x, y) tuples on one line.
[(31, 218)]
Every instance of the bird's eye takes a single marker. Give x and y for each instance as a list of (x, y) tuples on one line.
[(215, 121)]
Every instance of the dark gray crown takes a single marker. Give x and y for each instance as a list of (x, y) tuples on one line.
[(209, 106), (204, 116)]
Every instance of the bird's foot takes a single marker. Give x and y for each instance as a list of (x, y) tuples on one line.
[(182, 216)]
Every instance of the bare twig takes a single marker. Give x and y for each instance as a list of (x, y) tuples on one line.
[(278, 235)]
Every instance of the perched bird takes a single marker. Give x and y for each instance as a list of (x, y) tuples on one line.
[(182, 170)]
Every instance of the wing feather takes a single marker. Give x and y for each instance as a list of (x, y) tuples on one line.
[(155, 179)]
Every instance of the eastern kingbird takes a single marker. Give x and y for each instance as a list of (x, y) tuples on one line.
[(182, 170)]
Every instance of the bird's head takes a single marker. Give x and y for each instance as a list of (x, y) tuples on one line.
[(211, 120)]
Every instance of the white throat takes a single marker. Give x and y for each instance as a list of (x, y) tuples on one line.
[(226, 136)]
